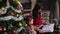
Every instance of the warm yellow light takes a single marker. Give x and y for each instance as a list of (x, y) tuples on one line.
[(25, 24), (17, 15), (4, 28), (20, 24), (3, 8)]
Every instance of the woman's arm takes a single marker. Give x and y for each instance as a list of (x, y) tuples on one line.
[(40, 26), (37, 27)]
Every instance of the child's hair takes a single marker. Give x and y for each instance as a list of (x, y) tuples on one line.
[(28, 19)]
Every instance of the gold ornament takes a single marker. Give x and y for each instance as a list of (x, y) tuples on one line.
[(17, 15), (26, 25), (3, 8), (20, 24)]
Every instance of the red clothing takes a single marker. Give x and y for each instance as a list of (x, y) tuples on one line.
[(38, 21)]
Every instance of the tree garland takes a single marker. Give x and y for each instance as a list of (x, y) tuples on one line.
[(19, 29), (11, 17), (18, 11)]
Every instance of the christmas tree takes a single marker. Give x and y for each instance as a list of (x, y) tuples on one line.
[(11, 17)]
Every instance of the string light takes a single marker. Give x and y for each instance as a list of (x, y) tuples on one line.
[(20, 24)]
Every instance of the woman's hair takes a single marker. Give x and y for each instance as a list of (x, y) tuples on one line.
[(35, 10)]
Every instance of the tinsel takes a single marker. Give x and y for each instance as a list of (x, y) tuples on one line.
[(18, 11), (11, 17), (19, 29)]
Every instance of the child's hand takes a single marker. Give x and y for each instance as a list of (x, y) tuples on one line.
[(33, 32)]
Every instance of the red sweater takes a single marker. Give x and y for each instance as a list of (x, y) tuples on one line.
[(38, 21)]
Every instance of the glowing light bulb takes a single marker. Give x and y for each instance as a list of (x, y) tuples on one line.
[(20, 24), (3, 8)]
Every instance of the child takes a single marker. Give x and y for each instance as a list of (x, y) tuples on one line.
[(30, 27)]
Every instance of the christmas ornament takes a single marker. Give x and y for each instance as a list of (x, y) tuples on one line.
[(26, 25), (20, 24), (3, 8), (17, 15), (1, 29), (14, 32), (12, 14), (4, 28)]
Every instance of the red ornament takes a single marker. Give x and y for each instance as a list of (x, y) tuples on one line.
[(12, 14), (14, 32), (1, 29)]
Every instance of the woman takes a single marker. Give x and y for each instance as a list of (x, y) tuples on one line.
[(37, 14)]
